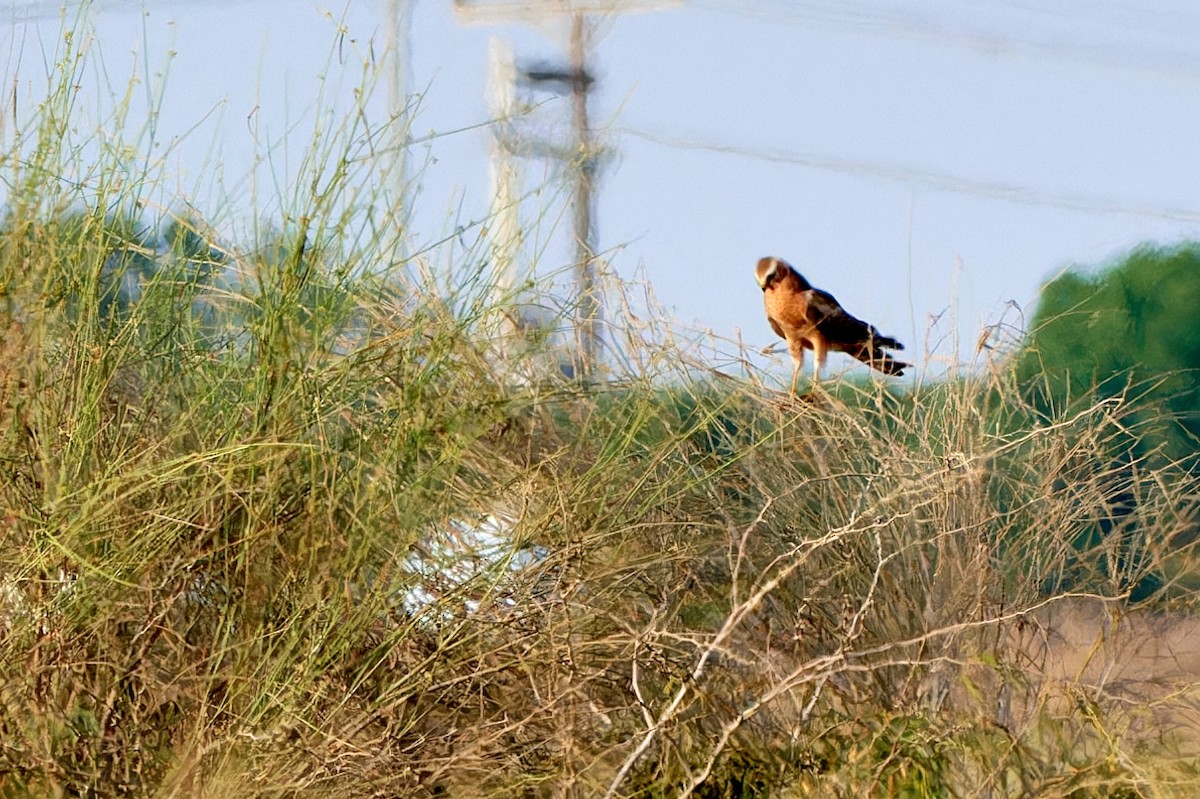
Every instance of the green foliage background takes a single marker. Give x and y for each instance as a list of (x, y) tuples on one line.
[(1129, 330)]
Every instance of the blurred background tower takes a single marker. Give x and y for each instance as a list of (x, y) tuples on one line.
[(398, 50), (582, 156), (504, 227)]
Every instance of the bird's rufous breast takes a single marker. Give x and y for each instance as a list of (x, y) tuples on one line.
[(788, 308)]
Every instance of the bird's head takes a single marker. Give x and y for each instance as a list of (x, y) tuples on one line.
[(771, 270)]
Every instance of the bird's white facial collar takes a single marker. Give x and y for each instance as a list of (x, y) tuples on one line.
[(770, 273)]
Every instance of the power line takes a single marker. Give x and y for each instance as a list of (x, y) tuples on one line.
[(929, 179), (37, 10), (888, 22)]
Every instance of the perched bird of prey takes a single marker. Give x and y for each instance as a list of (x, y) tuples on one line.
[(809, 318)]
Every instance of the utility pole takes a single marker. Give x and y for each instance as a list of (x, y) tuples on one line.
[(398, 42), (505, 228), (583, 157), (587, 311)]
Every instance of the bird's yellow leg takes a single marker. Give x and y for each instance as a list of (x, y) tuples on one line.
[(820, 351), (796, 348)]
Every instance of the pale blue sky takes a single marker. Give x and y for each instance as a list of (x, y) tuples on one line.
[(929, 159)]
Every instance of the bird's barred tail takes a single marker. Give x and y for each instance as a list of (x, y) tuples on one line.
[(886, 364), (884, 342), (873, 355)]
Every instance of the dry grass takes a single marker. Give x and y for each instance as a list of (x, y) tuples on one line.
[(282, 522)]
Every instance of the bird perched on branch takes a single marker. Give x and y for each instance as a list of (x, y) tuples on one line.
[(812, 319)]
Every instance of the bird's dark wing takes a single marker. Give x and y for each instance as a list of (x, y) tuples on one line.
[(838, 327), (851, 335)]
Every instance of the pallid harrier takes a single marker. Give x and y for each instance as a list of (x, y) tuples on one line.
[(809, 318)]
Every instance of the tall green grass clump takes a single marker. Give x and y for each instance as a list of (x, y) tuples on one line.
[(288, 517)]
